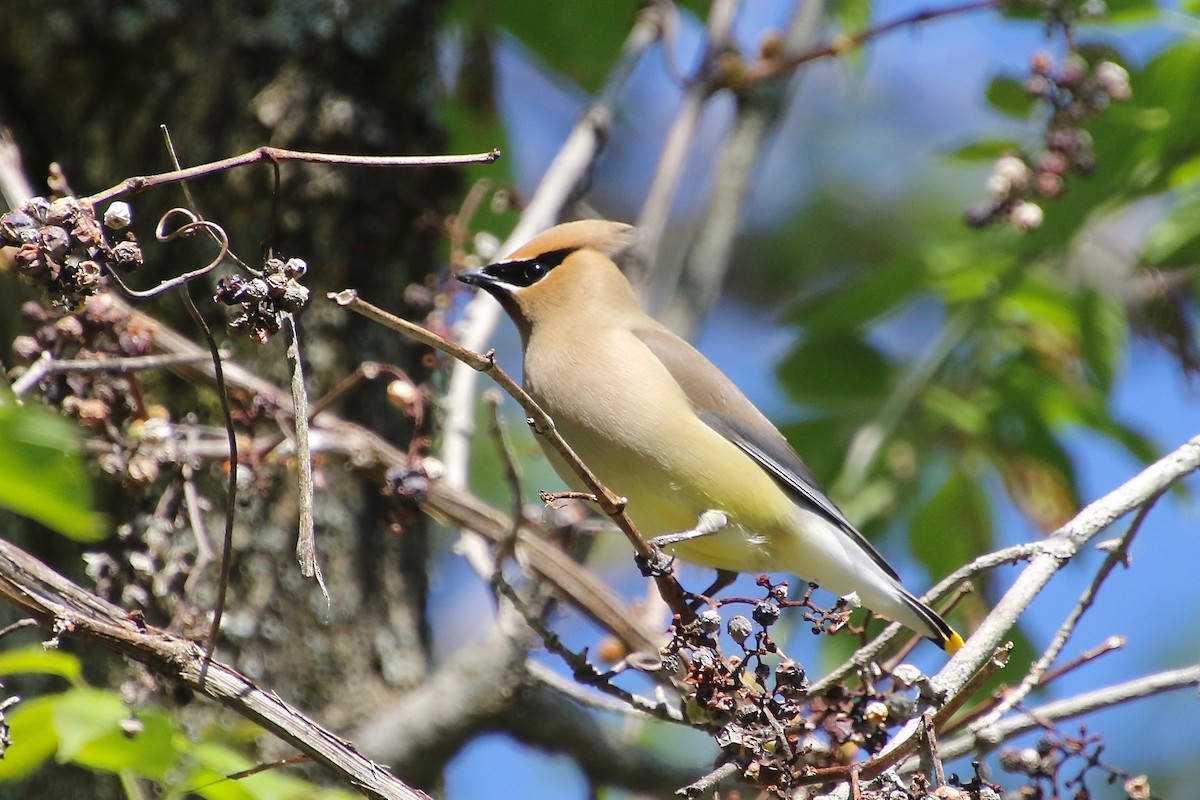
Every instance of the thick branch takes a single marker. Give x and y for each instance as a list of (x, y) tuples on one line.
[(62, 606)]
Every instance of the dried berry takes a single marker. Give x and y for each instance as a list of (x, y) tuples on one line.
[(766, 613), (127, 256), (739, 629), (118, 215)]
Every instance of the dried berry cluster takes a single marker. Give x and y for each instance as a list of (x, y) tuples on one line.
[(1076, 91), (61, 246), (757, 702), (265, 298), (104, 402), (1050, 763)]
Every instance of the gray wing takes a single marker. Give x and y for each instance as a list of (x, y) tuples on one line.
[(723, 407)]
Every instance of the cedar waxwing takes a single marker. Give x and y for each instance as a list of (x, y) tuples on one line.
[(703, 470)]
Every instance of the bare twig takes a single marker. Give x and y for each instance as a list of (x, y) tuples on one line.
[(58, 604), (581, 669), (692, 291), (726, 770), (306, 545), (1109, 645), (652, 221), (1033, 676), (1058, 710), (47, 365), (542, 424), (191, 227), (763, 70), (27, 622), (231, 482), (600, 702), (275, 154), (512, 472)]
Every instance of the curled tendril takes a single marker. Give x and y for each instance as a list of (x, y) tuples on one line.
[(164, 233)]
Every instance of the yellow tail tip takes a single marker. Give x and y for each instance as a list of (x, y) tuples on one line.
[(953, 643)]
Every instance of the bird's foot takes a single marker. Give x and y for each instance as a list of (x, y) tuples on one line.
[(655, 565), (710, 522)]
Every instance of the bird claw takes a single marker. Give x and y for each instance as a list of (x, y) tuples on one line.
[(656, 565)]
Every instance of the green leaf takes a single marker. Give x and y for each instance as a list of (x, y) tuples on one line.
[(851, 306), (579, 46), (831, 370), (33, 737), (1103, 335), (1125, 11), (90, 733), (1008, 96), (851, 16), (1175, 240), (38, 660), (953, 526), (41, 473), (966, 413), (217, 761), (985, 150)]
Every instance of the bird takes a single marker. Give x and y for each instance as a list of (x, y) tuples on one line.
[(703, 471)]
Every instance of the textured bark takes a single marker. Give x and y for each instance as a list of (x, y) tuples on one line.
[(87, 84)]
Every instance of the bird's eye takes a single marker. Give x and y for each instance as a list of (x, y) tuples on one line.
[(529, 271)]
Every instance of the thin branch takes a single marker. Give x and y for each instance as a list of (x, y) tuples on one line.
[(759, 109), (60, 605), (599, 702), (1109, 645), (1058, 710), (726, 770), (218, 367), (652, 221), (512, 472), (193, 225), (47, 365), (1033, 676), (542, 424), (275, 154), (27, 622), (766, 69)]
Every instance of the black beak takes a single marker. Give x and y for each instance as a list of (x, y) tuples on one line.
[(474, 277)]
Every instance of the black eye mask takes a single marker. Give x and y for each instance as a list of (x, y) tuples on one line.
[(528, 271)]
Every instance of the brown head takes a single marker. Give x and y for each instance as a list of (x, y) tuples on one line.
[(567, 270)]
